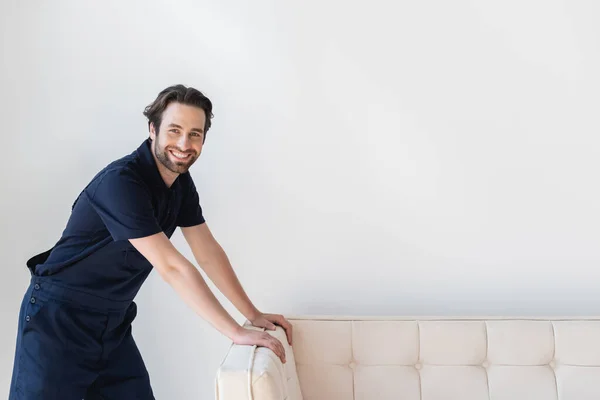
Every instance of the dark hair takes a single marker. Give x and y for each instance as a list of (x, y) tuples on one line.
[(179, 94)]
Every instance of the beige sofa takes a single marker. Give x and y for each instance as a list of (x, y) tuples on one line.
[(421, 359)]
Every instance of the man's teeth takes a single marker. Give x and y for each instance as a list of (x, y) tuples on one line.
[(179, 155)]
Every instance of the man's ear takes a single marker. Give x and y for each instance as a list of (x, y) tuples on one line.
[(152, 131)]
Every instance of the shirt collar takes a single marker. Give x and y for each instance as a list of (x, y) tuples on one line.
[(150, 169)]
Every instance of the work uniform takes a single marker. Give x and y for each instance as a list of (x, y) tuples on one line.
[(74, 337)]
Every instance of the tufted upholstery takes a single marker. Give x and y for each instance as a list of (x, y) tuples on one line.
[(422, 359)]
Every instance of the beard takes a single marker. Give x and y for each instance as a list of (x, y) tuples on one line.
[(171, 162)]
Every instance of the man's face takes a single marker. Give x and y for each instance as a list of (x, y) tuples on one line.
[(178, 143)]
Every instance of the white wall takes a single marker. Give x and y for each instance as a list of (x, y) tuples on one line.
[(366, 157)]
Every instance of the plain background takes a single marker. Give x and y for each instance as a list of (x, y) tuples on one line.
[(366, 158)]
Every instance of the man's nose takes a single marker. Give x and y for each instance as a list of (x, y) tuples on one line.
[(184, 142)]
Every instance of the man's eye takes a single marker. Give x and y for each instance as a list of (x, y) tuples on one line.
[(174, 130)]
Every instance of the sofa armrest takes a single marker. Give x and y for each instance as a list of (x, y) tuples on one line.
[(256, 373)]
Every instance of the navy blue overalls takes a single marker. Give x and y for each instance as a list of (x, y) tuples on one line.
[(74, 338)]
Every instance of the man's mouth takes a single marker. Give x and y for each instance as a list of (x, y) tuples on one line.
[(180, 156)]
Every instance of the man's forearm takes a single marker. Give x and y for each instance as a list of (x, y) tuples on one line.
[(185, 278), (189, 284), (220, 271)]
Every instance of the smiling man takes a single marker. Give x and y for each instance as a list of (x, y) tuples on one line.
[(74, 336)]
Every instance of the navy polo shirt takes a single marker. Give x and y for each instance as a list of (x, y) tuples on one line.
[(128, 199)]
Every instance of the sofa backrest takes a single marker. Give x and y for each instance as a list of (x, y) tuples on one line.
[(447, 358)]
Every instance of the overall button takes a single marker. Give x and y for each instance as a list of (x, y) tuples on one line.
[(33, 300), (37, 287), (28, 318)]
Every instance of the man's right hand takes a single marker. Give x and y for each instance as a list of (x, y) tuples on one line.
[(262, 339)]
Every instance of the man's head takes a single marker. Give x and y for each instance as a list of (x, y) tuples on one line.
[(178, 120)]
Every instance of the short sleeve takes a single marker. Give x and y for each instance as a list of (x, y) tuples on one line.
[(190, 213), (124, 204)]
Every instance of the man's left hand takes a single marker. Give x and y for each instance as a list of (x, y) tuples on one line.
[(269, 321)]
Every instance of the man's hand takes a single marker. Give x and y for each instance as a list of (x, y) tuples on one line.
[(268, 321), (250, 337)]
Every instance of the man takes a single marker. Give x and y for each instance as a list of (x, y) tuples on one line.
[(74, 337)]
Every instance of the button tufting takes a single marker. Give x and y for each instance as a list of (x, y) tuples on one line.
[(352, 365), (485, 364), (552, 364), (418, 366)]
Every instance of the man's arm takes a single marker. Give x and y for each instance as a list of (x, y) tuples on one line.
[(214, 261), (176, 270)]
